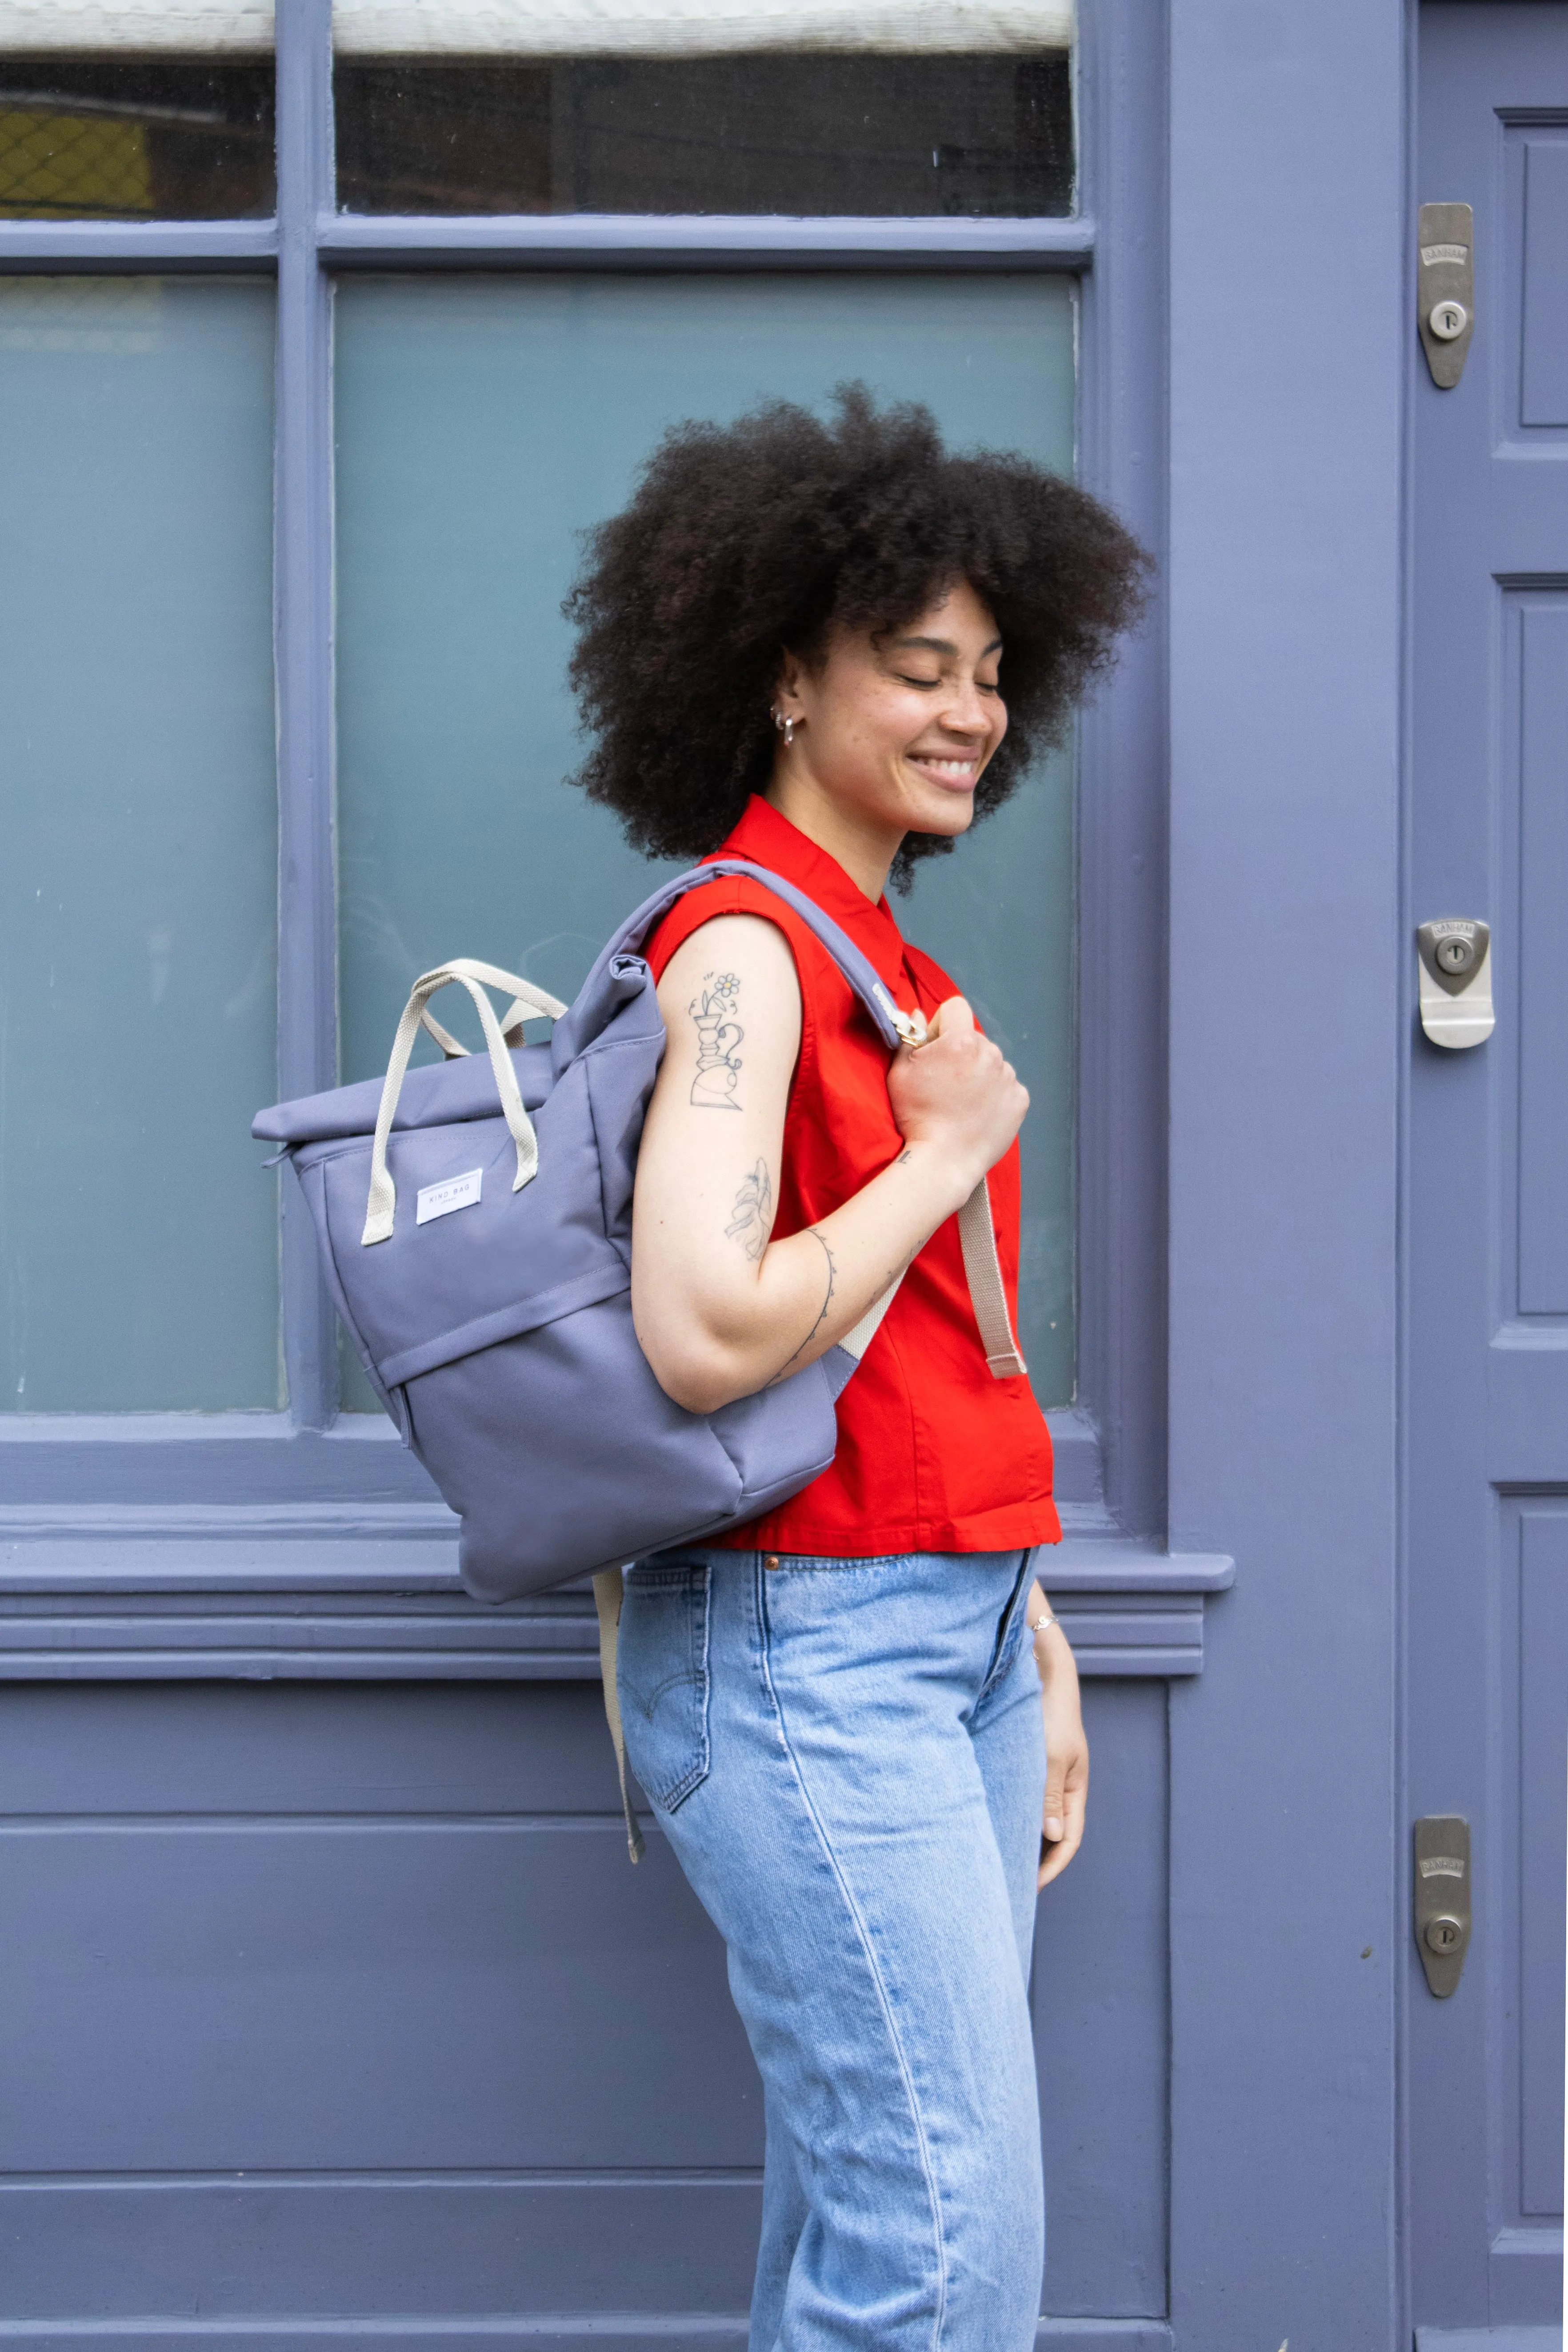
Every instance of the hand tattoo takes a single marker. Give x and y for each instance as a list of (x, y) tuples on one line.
[(751, 1220), (718, 1036)]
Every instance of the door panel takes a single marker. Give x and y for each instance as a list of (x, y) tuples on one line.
[(1536, 647), (1541, 1761), (1545, 354), (1488, 1200)]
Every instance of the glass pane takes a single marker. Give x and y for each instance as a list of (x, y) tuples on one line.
[(482, 422), (138, 890), (135, 137), (755, 133)]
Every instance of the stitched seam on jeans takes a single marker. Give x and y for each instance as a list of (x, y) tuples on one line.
[(869, 1954), (1004, 1628)]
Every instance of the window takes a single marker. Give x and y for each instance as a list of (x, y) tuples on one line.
[(139, 893), (763, 132), (137, 137)]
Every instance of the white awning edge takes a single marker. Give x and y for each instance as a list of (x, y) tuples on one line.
[(36, 27), (547, 28)]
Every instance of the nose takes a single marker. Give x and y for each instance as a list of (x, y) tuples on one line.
[(967, 712)]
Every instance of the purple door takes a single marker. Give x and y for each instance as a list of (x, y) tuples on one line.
[(1487, 1246)]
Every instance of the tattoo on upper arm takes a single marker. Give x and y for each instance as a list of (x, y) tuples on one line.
[(718, 1036), (752, 1218), (822, 1311)]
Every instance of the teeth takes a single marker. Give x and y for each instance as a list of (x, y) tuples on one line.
[(949, 767)]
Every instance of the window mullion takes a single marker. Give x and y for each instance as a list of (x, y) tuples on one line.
[(303, 625)]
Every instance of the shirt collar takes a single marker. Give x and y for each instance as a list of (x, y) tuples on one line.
[(769, 839)]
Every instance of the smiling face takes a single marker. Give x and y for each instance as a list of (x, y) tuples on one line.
[(892, 732)]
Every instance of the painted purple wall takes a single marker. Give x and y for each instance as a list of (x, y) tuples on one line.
[(1287, 345)]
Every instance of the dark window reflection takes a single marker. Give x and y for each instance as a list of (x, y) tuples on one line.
[(759, 134), (135, 138)]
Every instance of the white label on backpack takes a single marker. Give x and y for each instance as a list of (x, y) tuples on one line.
[(455, 1193)]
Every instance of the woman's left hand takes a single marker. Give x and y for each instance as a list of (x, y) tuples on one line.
[(1067, 1749)]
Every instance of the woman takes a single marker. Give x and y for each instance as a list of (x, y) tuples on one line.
[(828, 648)]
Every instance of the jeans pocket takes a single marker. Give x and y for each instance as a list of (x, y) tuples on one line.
[(662, 1678)]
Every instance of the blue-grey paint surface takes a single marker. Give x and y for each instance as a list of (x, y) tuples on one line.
[(304, 652), (1287, 1935), (1486, 1359), (346, 1998)]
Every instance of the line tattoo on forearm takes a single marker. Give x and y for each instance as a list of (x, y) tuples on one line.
[(718, 1036), (822, 1312), (752, 1218)]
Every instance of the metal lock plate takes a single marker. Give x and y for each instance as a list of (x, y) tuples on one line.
[(1442, 1899), (1445, 290), (1456, 976)]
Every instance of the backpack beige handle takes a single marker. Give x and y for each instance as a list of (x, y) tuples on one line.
[(382, 1205)]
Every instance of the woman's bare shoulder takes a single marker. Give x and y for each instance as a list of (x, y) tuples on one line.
[(750, 946)]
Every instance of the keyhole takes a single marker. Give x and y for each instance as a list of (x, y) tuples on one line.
[(1455, 955)]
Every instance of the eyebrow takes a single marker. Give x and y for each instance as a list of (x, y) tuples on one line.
[(942, 645)]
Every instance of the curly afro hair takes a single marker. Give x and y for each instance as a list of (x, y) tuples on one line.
[(746, 540)]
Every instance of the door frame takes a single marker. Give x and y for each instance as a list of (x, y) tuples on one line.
[(1288, 172)]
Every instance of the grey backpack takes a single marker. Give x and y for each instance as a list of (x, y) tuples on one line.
[(475, 1217)]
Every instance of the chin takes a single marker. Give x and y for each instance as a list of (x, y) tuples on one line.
[(949, 817)]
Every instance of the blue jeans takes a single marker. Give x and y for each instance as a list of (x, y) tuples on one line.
[(848, 1757)]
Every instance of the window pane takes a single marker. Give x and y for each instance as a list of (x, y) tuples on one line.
[(755, 133), (138, 890), (482, 422), (135, 137)]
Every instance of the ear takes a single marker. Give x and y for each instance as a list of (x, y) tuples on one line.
[(786, 691)]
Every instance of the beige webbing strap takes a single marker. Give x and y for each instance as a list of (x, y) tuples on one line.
[(476, 978), (987, 1295), (608, 1592)]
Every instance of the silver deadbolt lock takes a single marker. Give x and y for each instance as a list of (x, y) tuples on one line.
[(1455, 974), (1445, 291), (1442, 1899)]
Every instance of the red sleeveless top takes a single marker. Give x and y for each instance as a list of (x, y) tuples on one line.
[(934, 1455)]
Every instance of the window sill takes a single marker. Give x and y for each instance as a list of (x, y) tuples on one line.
[(366, 1591)]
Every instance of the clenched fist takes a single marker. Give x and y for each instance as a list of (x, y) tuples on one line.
[(957, 1095)]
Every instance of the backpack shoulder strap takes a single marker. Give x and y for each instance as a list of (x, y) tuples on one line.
[(987, 1293), (582, 1022)]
